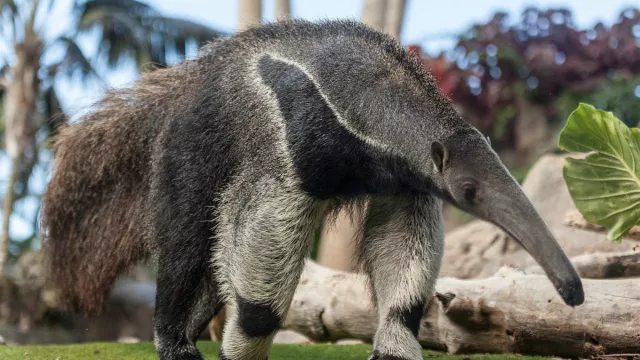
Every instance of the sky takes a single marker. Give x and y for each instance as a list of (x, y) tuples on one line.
[(424, 19)]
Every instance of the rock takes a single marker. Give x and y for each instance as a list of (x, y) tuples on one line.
[(11, 335), (479, 249), (128, 314), (128, 340), (290, 337), (349, 342), (29, 271)]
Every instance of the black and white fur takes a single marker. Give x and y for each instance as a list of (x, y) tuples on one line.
[(272, 130)]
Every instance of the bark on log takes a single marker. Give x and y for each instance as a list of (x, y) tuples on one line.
[(576, 220), (510, 312), (602, 265)]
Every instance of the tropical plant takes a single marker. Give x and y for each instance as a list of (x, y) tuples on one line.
[(605, 186), (123, 29), (620, 95), (538, 58)]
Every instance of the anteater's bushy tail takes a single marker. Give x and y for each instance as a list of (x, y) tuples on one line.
[(94, 215)]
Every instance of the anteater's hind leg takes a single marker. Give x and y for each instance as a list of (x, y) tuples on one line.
[(401, 251), (187, 293), (269, 238), (186, 300)]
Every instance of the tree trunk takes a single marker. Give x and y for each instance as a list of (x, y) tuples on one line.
[(216, 325), (249, 14), (508, 313), (21, 126), (394, 17), (532, 132), (374, 13), (7, 210), (338, 241), (283, 9)]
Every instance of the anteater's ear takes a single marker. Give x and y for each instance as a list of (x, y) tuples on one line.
[(438, 155)]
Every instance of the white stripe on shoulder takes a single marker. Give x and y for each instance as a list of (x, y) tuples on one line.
[(345, 124)]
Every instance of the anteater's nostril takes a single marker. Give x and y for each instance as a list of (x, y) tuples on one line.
[(572, 292)]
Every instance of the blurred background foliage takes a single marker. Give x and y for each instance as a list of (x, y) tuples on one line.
[(500, 71)]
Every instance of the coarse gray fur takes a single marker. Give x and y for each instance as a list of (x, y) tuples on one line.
[(225, 167)]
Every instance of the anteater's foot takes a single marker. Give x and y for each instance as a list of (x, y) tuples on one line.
[(375, 355), (168, 351)]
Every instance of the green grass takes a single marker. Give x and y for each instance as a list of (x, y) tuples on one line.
[(145, 351)]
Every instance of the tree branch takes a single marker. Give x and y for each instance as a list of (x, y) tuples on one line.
[(602, 265), (576, 220)]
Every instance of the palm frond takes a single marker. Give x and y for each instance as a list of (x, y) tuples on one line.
[(8, 5), (4, 69), (9, 14), (53, 114), (74, 61), (131, 29), (50, 5), (2, 123)]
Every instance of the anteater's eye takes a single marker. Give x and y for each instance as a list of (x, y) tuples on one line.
[(469, 192)]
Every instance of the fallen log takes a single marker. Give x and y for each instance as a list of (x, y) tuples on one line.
[(602, 265), (510, 312)]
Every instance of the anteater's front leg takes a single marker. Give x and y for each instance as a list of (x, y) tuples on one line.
[(261, 261), (401, 251)]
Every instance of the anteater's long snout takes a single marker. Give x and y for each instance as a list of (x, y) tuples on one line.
[(570, 289), (544, 248), (518, 217)]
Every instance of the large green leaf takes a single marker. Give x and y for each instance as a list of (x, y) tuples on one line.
[(605, 186)]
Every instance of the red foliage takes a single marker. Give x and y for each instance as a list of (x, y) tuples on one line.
[(538, 57)]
